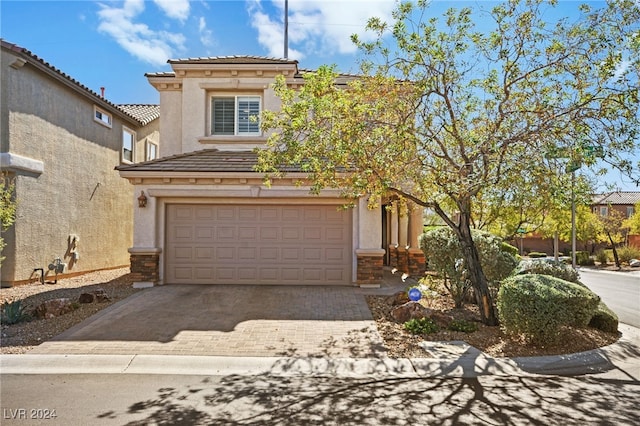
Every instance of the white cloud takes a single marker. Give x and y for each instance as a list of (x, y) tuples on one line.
[(317, 25), (176, 9), (206, 35), (148, 45)]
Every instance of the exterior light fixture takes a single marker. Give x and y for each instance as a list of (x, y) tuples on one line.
[(142, 200)]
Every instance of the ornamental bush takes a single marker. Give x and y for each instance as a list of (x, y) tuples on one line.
[(549, 267), (444, 255), (625, 254), (537, 306), (583, 258), (604, 319)]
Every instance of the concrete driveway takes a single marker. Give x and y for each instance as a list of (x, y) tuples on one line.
[(231, 320)]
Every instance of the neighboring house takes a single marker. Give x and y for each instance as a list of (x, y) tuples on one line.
[(60, 144), (208, 217), (623, 202)]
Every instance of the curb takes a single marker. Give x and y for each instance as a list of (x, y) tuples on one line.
[(619, 360)]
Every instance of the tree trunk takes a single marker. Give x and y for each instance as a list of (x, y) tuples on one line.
[(615, 252), (476, 274)]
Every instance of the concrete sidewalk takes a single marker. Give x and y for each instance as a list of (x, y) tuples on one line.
[(620, 361)]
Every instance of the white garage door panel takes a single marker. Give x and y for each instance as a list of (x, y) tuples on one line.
[(252, 244)]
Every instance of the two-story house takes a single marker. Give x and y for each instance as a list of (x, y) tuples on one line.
[(621, 201), (60, 144), (207, 217)]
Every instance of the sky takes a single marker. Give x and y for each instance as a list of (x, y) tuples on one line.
[(113, 43)]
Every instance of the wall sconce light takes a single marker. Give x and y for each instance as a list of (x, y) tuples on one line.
[(142, 200)]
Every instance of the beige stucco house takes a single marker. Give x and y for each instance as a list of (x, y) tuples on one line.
[(208, 217), (60, 144)]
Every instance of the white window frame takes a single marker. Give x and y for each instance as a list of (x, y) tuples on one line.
[(103, 117), (237, 117), (604, 211), (148, 147), (630, 211), (128, 131)]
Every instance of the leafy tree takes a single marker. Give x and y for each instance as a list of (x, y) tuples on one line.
[(452, 114), (633, 222), (7, 209), (613, 231)]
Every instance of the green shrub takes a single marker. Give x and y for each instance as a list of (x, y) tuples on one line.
[(463, 325), (421, 326), (602, 257), (584, 259), (625, 254), (604, 319), (548, 267), (537, 254), (14, 312), (444, 255), (537, 306), (508, 248)]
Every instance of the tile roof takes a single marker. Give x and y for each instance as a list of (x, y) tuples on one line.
[(236, 59), (207, 160), (18, 50), (144, 113), (618, 197)]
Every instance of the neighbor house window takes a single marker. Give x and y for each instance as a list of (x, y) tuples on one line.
[(128, 142), (629, 211), (152, 151), (604, 211), (101, 116), (235, 115)]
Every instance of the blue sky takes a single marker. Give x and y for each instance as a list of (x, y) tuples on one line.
[(112, 44)]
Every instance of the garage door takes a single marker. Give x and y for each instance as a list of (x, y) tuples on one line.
[(257, 244)]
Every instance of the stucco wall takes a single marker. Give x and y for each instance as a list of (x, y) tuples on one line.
[(79, 192)]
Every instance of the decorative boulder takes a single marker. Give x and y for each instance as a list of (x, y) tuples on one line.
[(98, 295), (54, 308), (409, 310), (398, 298)]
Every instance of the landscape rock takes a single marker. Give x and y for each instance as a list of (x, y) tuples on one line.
[(54, 308), (98, 295), (398, 298), (409, 310)]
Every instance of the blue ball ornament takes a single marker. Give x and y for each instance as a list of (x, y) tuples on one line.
[(414, 294)]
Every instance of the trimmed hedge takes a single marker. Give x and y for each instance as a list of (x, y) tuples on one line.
[(604, 319), (537, 254), (549, 267), (537, 306)]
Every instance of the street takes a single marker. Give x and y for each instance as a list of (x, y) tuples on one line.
[(98, 399), (619, 291)]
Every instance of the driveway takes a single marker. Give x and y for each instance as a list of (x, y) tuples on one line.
[(231, 320)]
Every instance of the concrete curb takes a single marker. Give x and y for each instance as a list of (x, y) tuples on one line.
[(620, 360), (453, 359)]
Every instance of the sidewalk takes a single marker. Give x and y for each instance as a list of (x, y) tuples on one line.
[(620, 361)]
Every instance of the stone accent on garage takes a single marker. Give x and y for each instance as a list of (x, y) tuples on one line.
[(370, 267), (145, 266)]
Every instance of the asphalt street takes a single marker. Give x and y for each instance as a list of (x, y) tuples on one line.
[(267, 400), (620, 292)]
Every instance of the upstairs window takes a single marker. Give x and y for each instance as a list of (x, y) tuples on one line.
[(235, 115), (128, 143), (152, 151), (101, 116)]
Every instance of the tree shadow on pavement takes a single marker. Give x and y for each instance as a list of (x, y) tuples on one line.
[(494, 400)]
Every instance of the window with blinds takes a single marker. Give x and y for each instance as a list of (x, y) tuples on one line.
[(237, 115)]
